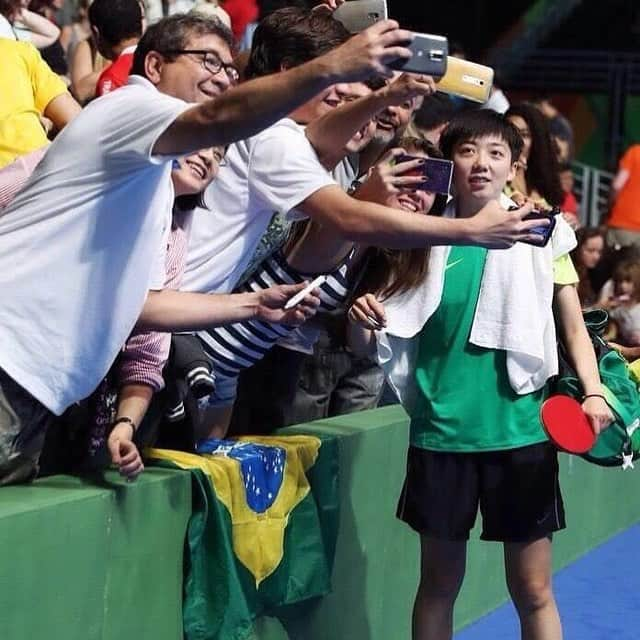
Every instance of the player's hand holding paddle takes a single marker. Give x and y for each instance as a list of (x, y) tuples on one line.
[(598, 412), (572, 427)]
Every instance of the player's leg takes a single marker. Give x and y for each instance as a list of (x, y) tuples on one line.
[(442, 567), (440, 501), (528, 573), (521, 506)]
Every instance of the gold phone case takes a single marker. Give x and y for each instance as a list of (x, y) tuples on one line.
[(467, 79)]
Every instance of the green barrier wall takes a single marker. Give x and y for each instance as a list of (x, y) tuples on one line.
[(85, 561)]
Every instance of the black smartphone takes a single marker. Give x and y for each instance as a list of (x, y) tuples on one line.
[(437, 173), (544, 232), (429, 56)]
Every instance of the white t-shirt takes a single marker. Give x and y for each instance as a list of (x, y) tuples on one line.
[(83, 242), (272, 172)]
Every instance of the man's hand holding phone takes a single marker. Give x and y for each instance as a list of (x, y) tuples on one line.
[(406, 87), (369, 52), (496, 228)]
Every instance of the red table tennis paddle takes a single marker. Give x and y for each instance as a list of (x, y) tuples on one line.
[(567, 425)]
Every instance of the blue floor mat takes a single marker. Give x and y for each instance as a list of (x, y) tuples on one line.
[(598, 597)]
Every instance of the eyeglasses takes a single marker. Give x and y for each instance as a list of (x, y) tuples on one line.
[(210, 60)]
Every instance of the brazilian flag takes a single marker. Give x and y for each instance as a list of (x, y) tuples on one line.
[(263, 529)]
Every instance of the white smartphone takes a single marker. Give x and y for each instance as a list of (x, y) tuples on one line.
[(301, 295), (357, 15)]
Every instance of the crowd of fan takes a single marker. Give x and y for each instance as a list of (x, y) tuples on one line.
[(78, 239)]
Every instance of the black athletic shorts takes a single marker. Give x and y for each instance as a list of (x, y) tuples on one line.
[(517, 490)]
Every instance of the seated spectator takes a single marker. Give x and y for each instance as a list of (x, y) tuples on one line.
[(89, 229), (85, 67), (117, 27), (29, 90), (586, 257), (18, 23), (624, 306)]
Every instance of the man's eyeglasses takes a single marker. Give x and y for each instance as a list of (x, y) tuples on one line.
[(210, 60)]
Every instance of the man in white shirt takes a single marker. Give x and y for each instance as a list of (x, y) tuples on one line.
[(82, 244)]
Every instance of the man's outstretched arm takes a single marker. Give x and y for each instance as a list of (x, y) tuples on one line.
[(254, 105)]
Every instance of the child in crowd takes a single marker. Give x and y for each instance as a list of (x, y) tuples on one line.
[(484, 323), (624, 305)]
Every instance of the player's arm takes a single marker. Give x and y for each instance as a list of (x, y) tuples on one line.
[(571, 326)]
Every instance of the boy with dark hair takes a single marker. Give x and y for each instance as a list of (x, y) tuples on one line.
[(116, 26), (487, 346)]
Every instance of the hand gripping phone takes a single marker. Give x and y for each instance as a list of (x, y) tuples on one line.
[(467, 79), (357, 15), (429, 55), (544, 232), (437, 173)]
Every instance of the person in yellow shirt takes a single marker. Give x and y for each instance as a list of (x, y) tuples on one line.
[(29, 90)]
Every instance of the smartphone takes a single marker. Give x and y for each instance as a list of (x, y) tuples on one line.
[(301, 295), (545, 232), (437, 173), (357, 15), (429, 55), (467, 79)]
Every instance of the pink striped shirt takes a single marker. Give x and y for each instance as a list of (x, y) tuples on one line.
[(15, 175), (145, 353)]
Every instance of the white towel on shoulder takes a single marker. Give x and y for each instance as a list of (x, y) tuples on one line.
[(514, 311)]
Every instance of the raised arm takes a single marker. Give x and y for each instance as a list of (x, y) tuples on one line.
[(43, 31), (330, 133), (247, 109)]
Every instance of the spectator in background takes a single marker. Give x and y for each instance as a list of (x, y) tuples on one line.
[(624, 307), (29, 90), (242, 13), (559, 126), (624, 218), (117, 27), (213, 8), (54, 54), (586, 257), (85, 62), (431, 118), (18, 23), (569, 205), (537, 176)]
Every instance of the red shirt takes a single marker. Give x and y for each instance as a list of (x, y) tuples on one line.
[(569, 204), (116, 74)]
